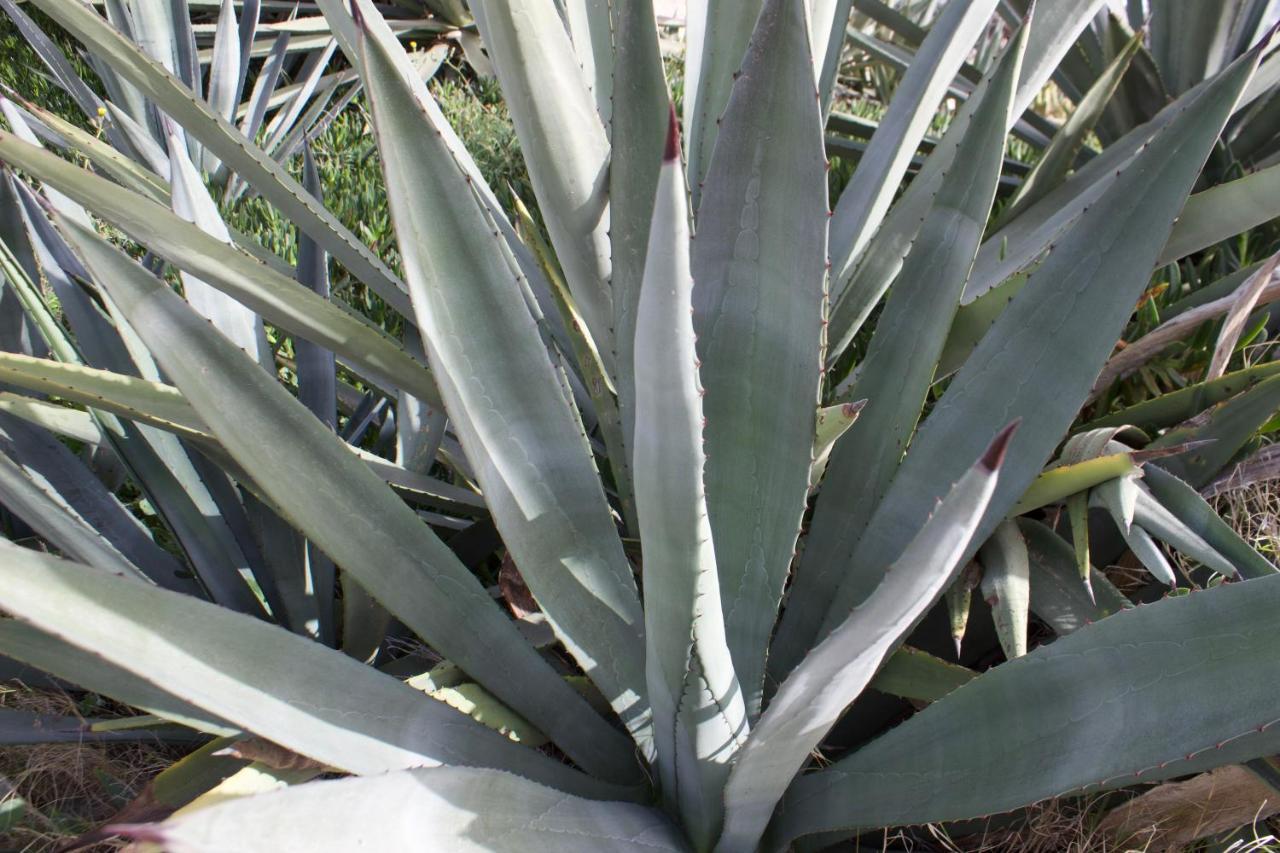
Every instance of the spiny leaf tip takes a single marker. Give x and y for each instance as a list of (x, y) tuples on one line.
[(994, 456)]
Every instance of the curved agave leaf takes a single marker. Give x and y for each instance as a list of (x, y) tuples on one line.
[(518, 426), (269, 178), (1177, 406), (699, 716), (864, 203), (717, 33), (814, 696), (1058, 24), (383, 543), (298, 694), (1223, 211), (272, 294), (1226, 427), (759, 261), (1006, 585), (1164, 690), (899, 366), (564, 144), (1186, 504), (1063, 323), (444, 808), (1057, 596)]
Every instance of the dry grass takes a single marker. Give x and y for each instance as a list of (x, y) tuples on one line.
[(70, 788)]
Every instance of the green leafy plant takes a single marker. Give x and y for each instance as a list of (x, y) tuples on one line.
[(646, 416)]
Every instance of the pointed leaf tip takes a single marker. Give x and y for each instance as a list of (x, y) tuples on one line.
[(850, 410), (672, 150), (994, 456)]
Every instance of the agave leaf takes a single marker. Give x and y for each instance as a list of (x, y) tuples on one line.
[(1165, 690), (60, 420), (1056, 161), (959, 598), (1154, 518), (1078, 517), (864, 203), (89, 670), (832, 423), (699, 716), (591, 31), (1064, 481), (816, 693), (445, 808), (531, 457), (192, 202), (1177, 406), (1120, 498), (1149, 554), (255, 285), (1063, 323), (915, 674), (27, 727), (760, 264), (717, 33), (224, 71), (269, 178), (1006, 583), (391, 552), (1057, 596), (1227, 426), (48, 514), (564, 144), (1186, 504), (1224, 211), (639, 108), (828, 22), (300, 695), (264, 86), (899, 366), (1056, 29)]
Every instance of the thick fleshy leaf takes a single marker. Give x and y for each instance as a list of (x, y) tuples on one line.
[(639, 108), (915, 674), (298, 694), (1226, 428), (760, 266), (864, 203), (1057, 159), (699, 717), (1186, 504), (1165, 690), (1177, 406), (254, 284), (383, 543), (1057, 595), (1006, 585), (564, 145), (530, 455), (1057, 26), (899, 366), (717, 33), (444, 808), (816, 693), (1041, 356), (269, 178)]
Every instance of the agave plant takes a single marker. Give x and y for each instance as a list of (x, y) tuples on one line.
[(644, 418)]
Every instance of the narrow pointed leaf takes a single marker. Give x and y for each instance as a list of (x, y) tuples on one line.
[(1057, 596), (311, 477), (564, 144), (1227, 426), (1165, 690), (531, 457), (866, 200), (1006, 586), (251, 282), (816, 693), (1061, 326), (1186, 504), (699, 717), (269, 178), (1154, 518), (298, 694), (899, 367), (760, 266)]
